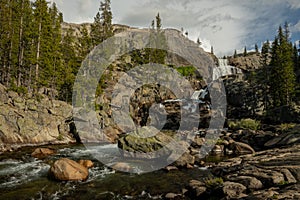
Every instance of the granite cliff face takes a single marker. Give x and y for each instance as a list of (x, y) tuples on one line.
[(120, 77), (247, 63), (27, 121)]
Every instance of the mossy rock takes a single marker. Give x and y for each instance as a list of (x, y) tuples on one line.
[(144, 140)]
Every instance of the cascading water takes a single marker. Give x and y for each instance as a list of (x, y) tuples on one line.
[(224, 69)]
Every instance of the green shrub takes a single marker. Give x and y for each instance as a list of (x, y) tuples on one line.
[(244, 124), (19, 90), (60, 137), (286, 126), (213, 182), (186, 70)]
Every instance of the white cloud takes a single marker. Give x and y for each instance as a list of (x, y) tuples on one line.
[(296, 27), (85, 6), (294, 4)]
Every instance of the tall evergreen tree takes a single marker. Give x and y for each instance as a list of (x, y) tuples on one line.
[(256, 49), (265, 53), (25, 19), (102, 27), (245, 51), (42, 38), (96, 30), (282, 80), (71, 64), (295, 57), (235, 54), (55, 70)]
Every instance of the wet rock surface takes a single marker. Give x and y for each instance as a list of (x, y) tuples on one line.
[(65, 169), (86, 163), (42, 153)]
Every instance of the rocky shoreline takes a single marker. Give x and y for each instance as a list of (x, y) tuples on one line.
[(265, 165), (270, 174)]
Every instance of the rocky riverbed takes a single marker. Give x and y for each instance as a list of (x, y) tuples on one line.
[(270, 174)]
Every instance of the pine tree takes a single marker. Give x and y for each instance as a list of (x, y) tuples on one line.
[(256, 49), (13, 40), (56, 69), (295, 57), (106, 19), (102, 27), (25, 23), (10, 40), (198, 41), (235, 54), (265, 51), (96, 30), (71, 65), (158, 23), (282, 80), (42, 37), (245, 51), (85, 42)]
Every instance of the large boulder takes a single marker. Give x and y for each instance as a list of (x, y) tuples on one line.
[(234, 190), (196, 188), (65, 169), (146, 142), (186, 160)]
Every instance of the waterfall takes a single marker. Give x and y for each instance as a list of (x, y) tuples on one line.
[(224, 69), (198, 97)]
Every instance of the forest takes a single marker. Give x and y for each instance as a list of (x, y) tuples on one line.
[(36, 54)]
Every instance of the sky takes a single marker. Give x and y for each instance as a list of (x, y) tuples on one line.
[(224, 24)]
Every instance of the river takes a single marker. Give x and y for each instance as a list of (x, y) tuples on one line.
[(25, 177)]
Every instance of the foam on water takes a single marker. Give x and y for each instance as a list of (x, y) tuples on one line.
[(90, 150), (97, 172), (19, 172)]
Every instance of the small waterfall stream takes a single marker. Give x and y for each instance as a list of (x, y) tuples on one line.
[(224, 69)]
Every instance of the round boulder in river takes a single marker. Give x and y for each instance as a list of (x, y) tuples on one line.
[(65, 169)]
